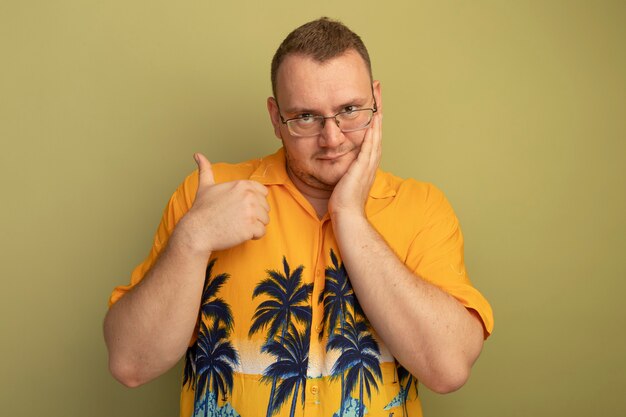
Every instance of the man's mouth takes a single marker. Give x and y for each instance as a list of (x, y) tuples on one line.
[(333, 156)]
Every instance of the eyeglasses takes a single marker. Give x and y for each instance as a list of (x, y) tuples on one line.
[(347, 120)]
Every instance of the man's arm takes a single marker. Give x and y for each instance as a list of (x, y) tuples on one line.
[(430, 333), (148, 330)]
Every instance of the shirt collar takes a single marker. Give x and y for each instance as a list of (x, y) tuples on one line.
[(272, 171)]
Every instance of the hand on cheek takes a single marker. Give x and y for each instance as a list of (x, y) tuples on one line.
[(350, 193)]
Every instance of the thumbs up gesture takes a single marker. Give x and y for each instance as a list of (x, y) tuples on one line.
[(205, 172), (224, 215)]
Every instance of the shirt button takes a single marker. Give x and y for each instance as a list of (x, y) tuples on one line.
[(314, 390), (320, 328)]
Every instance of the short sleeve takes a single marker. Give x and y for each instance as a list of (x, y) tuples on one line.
[(436, 255), (178, 205)]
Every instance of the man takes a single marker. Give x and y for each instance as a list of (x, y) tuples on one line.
[(307, 282)]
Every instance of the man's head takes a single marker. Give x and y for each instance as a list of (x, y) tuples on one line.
[(321, 69), (321, 39)]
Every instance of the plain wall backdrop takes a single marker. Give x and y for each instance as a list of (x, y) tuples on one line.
[(516, 110)]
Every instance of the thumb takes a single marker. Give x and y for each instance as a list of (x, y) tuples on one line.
[(205, 173)]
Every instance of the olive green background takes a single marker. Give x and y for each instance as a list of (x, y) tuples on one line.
[(515, 109)]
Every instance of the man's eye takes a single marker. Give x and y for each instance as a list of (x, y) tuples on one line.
[(305, 118), (350, 109)]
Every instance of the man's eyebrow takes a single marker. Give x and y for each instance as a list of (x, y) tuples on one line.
[(299, 110), (355, 101)]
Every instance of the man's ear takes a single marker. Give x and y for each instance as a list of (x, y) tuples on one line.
[(272, 109), (378, 96)]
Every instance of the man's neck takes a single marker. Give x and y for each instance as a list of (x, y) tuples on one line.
[(320, 205), (318, 198)]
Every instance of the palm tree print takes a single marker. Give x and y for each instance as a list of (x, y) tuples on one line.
[(216, 359), (288, 303), (210, 362), (189, 373), (292, 355), (337, 296), (212, 307), (358, 360), (403, 376), (405, 380), (338, 299), (340, 302)]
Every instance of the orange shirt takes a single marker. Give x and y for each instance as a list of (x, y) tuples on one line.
[(280, 332)]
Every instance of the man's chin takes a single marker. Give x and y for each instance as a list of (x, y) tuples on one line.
[(330, 179), (321, 177)]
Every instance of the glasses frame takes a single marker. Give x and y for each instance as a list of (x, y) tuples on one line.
[(323, 120)]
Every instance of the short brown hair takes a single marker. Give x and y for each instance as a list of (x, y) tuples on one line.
[(321, 39)]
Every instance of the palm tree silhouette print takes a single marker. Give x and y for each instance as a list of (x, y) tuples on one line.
[(216, 359), (213, 307), (340, 305), (288, 303), (189, 372), (406, 377), (358, 360), (292, 354), (338, 299), (210, 362)]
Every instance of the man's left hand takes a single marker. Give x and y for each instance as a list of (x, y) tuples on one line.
[(350, 193)]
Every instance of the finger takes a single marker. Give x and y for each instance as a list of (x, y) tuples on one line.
[(367, 159), (366, 146), (259, 231), (260, 188), (377, 139), (263, 202), (263, 216), (375, 154), (205, 172)]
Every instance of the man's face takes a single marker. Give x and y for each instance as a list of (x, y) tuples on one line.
[(304, 86)]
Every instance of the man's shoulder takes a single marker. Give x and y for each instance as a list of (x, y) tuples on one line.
[(224, 171), (408, 188), (413, 201), (269, 169)]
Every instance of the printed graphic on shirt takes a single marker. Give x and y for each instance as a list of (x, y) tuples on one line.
[(347, 355), (210, 362), (406, 381), (287, 313), (349, 333)]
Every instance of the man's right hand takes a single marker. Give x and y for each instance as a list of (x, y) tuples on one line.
[(148, 330), (223, 215)]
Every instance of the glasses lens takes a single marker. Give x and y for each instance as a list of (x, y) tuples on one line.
[(348, 122), (355, 120), (306, 126)]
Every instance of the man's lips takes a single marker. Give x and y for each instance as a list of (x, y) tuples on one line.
[(332, 157)]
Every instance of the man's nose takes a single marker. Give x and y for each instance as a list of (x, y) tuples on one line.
[(331, 135)]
